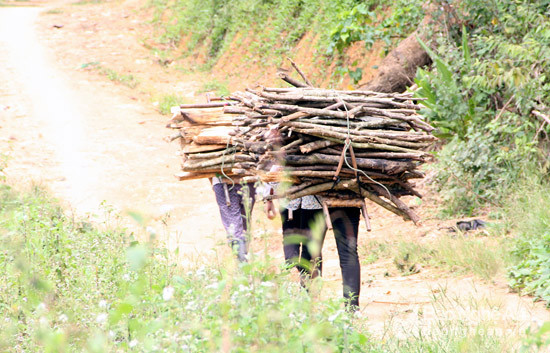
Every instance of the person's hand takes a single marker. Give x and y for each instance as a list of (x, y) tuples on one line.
[(270, 209)]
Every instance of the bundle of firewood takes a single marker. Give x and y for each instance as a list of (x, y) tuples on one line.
[(341, 145)]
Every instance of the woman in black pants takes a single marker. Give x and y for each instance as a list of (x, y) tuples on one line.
[(345, 222)]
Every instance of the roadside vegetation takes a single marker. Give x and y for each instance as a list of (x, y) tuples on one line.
[(67, 285), (127, 80), (271, 30), (489, 95)]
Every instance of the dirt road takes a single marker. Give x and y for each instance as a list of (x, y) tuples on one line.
[(90, 146), (91, 141)]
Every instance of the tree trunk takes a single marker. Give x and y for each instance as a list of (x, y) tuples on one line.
[(398, 69)]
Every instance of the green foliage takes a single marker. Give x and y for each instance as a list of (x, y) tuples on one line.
[(489, 74), (537, 339), (530, 210), (215, 86), (275, 27), (167, 101), (485, 257), (66, 286), (368, 22), (127, 80)]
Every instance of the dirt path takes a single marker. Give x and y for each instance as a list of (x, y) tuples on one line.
[(90, 144), (90, 140)]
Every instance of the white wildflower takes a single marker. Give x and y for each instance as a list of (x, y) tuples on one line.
[(112, 334), (267, 284), (167, 293), (213, 285), (103, 303), (334, 316), (41, 307), (126, 277), (133, 343), (101, 318), (63, 318)]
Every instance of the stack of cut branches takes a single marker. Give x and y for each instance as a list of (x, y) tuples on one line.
[(204, 132), (344, 145)]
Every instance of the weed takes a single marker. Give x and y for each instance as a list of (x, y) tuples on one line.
[(373, 250), (53, 12), (127, 80), (167, 101), (215, 86), (66, 286), (529, 212), (463, 254)]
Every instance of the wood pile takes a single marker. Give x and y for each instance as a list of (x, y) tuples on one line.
[(342, 145)]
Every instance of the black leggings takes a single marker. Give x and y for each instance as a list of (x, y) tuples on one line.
[(345, 222), (297, 236), (297, 233)]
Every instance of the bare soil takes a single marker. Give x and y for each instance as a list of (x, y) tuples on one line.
[(99, 145)]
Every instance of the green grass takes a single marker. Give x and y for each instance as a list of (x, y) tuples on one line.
[(67, 285), (53, 12), (529, 220), (88, 2), (215, 86), (484, 257), (167, 101), (373, 250), (127, 80)]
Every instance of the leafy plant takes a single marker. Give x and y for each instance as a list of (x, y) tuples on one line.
[(126, 79), (487, 78), (362, 23), (66, 286), (219, 88), (530, 217), (167, 101)]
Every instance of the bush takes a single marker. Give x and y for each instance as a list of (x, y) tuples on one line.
[(66, 286), (530, 212), (490, 73)]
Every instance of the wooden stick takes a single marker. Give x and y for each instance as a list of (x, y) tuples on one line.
[(300, 72), (385, 165), (542, 116), (327, 215), (365, 215), (316, 145), (206, 105), (283, 76)]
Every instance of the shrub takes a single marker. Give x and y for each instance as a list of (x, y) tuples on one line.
[(489, 74)]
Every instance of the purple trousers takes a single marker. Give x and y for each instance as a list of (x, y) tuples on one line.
[(234, 215)]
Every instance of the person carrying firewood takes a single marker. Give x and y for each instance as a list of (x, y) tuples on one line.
[(235, 202), (298, 218)]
